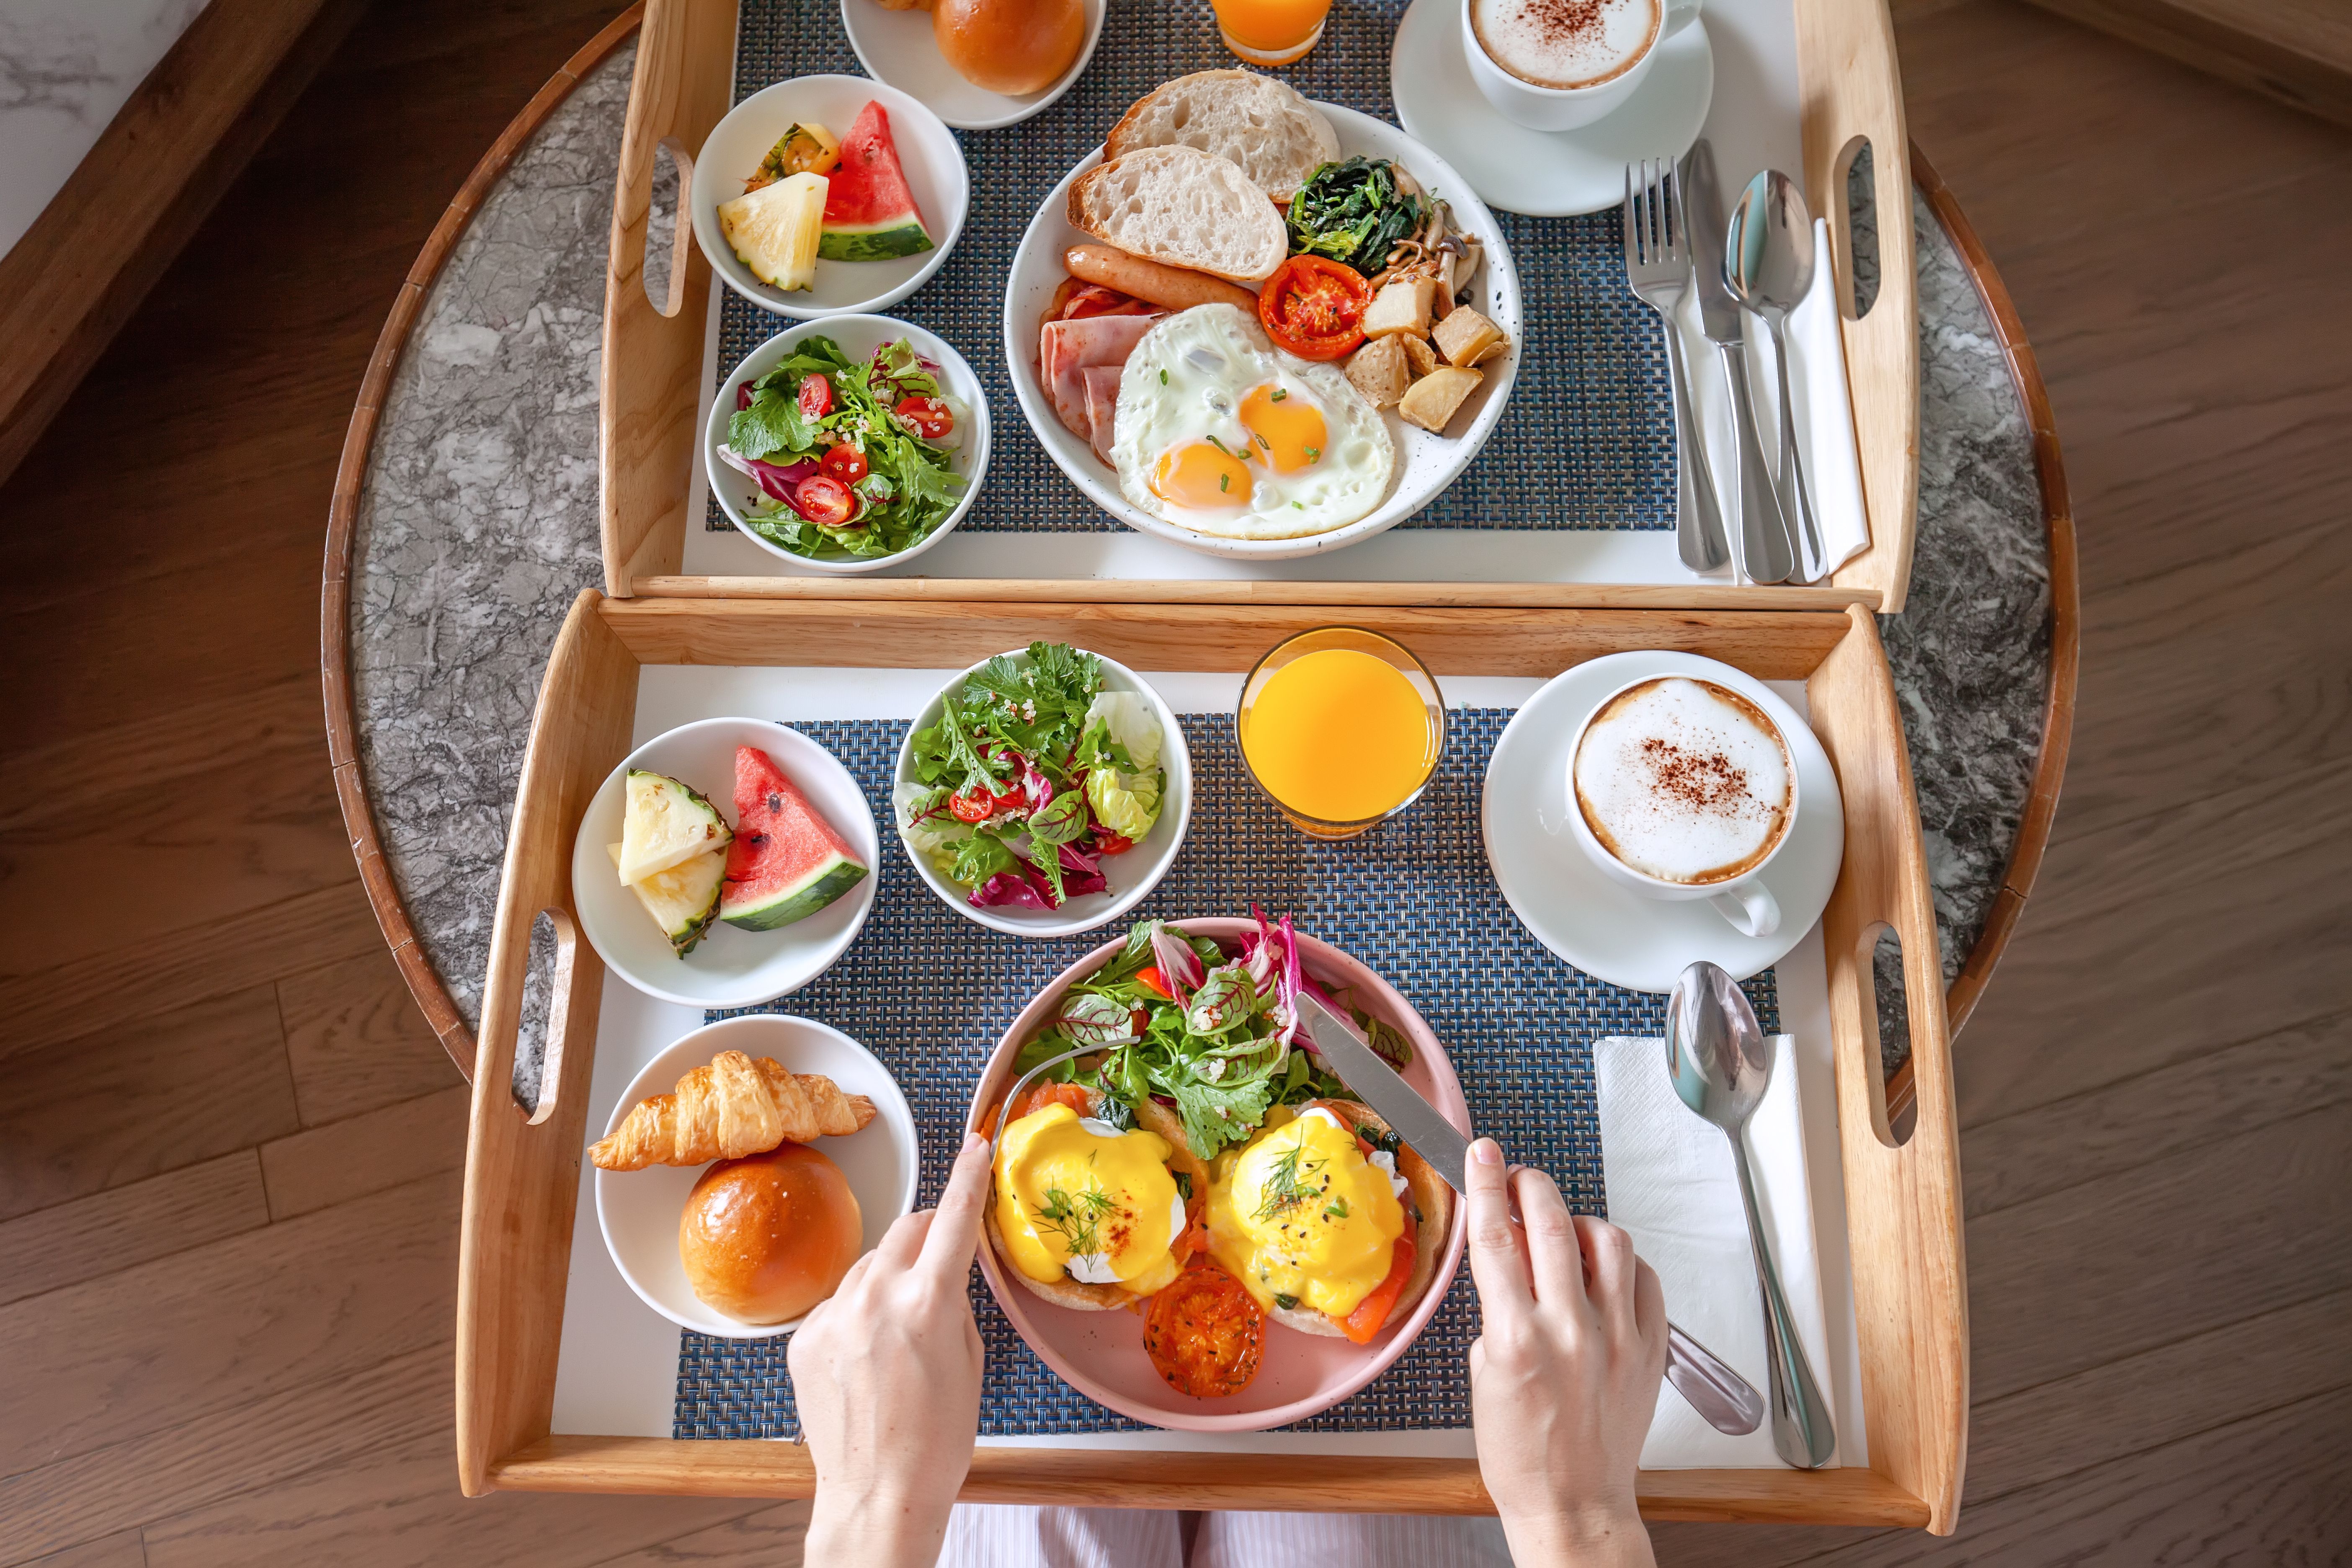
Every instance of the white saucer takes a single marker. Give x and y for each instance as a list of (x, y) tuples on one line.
[(1612, 932), (897, 47), (1544, 173)]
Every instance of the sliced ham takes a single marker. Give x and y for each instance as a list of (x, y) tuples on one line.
[(1067, 350), (1102, 407)]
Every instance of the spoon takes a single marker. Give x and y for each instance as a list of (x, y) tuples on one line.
[(1767, 265), (1721, 1065)]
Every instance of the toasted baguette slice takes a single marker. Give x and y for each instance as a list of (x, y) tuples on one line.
[(1182, 208), (1426, 1190), (1263, 125)]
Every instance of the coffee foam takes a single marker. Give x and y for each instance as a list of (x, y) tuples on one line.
[(1564, 43), (1684, 781)]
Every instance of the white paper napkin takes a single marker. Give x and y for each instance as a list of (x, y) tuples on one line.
[(1672, 1186), (1817, 385)]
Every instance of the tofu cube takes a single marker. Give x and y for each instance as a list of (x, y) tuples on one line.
[(1403, 306), (1377, 370), (1431, 401), (1418, 357), (1465, 337)]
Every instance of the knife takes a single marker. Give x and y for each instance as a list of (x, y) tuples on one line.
[(1726, 1401), (1767, 551)]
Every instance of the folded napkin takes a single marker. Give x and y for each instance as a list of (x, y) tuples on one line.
[(1817, 386), (1672, 1186)]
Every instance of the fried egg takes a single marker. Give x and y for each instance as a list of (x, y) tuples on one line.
[(1220, 432)]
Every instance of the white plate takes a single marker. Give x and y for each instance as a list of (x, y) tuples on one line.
[(1427, 463), (859, 337), (732, 968), (928, 153), (638, 1211), (1546, 174), (896, 46), (1611, 933), (1131, 876)]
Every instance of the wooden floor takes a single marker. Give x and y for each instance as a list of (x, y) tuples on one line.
[(229, 1150)]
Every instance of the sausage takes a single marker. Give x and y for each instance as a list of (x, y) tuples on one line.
[(1174, 288)]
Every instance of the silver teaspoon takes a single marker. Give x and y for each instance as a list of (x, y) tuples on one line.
[(1767, 265)]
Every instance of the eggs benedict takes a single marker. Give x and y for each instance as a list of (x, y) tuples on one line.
[(1087, 1215), (1331, 1224)]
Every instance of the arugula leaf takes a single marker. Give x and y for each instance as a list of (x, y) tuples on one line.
[(1046, 1044), (977, 858), (1217, 1114)]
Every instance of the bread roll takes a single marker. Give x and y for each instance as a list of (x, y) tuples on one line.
[(1010, 45), (766, 1237)]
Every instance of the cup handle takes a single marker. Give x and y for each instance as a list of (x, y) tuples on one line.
[(1680, 14), (1750, 908)]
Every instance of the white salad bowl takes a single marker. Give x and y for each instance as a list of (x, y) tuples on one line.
[(638, 1211), (1131, 876), (859, 337), (730, 968), (896, 46), (1426, 462), (928, 153)]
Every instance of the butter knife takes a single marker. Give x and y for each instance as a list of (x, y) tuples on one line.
[(1767, 549), (1726, 1401)]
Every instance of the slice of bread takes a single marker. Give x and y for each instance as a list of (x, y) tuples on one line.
[(1183, 207), (1263, 125)]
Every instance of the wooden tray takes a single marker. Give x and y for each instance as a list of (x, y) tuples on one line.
[(522, 1171), (653, 397)]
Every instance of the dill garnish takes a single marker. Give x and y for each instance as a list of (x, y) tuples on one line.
[(1076, 1220)]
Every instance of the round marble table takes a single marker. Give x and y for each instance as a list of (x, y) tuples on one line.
[(465, 521)]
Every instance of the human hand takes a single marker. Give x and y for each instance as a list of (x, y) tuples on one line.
[(886, 1372), (1564, 1377)]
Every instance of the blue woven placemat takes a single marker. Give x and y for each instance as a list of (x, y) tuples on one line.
[(1586, 441), (929, 994)]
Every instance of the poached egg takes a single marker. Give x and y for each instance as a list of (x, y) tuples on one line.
[(1301, 1216), (1078, 1198)]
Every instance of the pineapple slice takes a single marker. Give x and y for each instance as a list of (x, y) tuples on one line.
[(664, 824), (684, 900), (775, 230)]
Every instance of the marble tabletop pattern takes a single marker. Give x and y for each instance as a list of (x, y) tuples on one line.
[(478, 527)]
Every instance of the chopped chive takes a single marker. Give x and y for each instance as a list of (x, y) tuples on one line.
[(1163, 378), (1224, 482), (1314, 453), (1279, 394)]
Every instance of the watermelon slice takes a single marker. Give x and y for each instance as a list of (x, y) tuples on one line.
[(786, 862), (869, 213)]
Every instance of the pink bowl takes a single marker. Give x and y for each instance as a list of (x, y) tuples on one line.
[(1101, 1355)]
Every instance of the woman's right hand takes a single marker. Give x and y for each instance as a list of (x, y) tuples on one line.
[(1564, 1378)]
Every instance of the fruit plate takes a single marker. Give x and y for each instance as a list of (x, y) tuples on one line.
[(1101, 1355), (732, 968), (896, 46), (927, 155), (638, 1210), (1427, 463)]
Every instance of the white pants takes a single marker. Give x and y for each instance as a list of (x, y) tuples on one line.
[(981, 1536)]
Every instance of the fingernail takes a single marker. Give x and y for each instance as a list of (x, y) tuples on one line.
[(1487, 1152)]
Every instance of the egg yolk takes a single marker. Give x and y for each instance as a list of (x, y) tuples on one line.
[(1300, 1215), (1286, 431), (1201, 475)]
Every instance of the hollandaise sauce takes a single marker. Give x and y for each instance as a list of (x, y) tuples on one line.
[(1078, 1200), (1339, 735), (1299, 1216)]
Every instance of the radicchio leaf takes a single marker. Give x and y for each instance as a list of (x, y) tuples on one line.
[(1007, 888), (1179, 964), (781, 480)]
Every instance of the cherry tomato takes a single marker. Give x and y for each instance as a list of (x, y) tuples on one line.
[(1109, 843), (1315, 307), (816, 394), (1204, 1333), (845, 463), (927, 417), (971, 806), (826, 500)]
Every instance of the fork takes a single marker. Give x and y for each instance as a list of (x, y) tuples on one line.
[(1658, 271)]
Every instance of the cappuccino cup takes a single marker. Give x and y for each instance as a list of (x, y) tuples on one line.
[(1555, 65), (1680, 789)]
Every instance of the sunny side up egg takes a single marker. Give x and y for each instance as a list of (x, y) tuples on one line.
[(1220, 432)]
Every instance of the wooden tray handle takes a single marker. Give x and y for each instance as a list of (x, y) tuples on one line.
[(1903, 1200), (1851, 91), (651, 405), (523, 1164)]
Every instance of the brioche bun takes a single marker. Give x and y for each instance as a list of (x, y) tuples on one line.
[(1429, 1195), (766, 1237), (1010, 45)]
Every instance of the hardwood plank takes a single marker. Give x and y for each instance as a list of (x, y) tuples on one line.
[(224, 1325), (355, 1039), (2150, 1118), (122, 1550), (382, 1148), (2139, 1259), (113, 989), (125, 1226), (126, 1101), (2302, 57), (771, 1538)]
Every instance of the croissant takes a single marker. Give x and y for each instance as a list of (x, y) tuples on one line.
[(729, 1107)]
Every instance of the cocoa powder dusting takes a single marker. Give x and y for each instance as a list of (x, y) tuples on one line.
[(1560, 20), (1702, 780)]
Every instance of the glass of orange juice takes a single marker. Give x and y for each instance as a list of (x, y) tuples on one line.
[(1271, 32), (1341, 728)]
